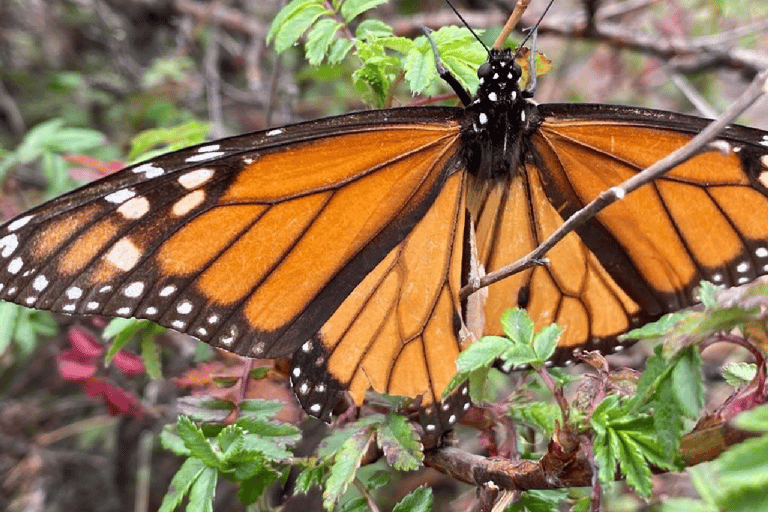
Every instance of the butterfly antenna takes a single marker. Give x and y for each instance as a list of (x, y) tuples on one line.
[(458, 15), (531, 31), (445, 74)]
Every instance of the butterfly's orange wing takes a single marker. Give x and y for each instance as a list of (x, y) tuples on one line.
[(248, 243), (641, 256), (400, 330)]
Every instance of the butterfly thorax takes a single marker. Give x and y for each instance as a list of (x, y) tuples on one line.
[(497, 119)]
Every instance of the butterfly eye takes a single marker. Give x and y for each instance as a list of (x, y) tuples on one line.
[(484, 70), (516, 71)]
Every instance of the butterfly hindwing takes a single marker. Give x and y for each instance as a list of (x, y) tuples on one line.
[(249, 243), (400, 331)]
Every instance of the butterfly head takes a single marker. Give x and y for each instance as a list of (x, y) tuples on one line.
[(497, 118)]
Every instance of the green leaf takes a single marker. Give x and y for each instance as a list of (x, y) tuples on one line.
[(171, 441), (260, 409), (122, 329), (545, 342), (746, 464), (339, 50), (688, 382), (419, 65), (296, 24), (203, 490), (739, 374), (251, 489), (657, 329), (311, 476), (345, 465), (708, 294), (398, 441), (8, 313), (319, 40), (517, 325), (157, 141), (374, 28), (755, 419), (195, 440), (182, 481), (419, 500), (150, 352), (351, 9)]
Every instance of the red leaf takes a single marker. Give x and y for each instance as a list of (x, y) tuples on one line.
[(72, 367), (84, 345), (128, 363), (117, 400)]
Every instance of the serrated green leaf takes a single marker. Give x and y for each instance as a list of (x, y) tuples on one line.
[(738, 374), (351, 9), (345, 465), (545, 342), (708, 293), (203, 490), (295, 26), (289, 11), (378, 479), (319, 40), (182, 481), (251, 489), (374, 28), (260, 409), (195, 440), (419, 500), (633, 465), (311, 476), (482, 353), (398, 441), (688, 383), (122, 329), (420, 69), (171, 441), (339, 50), (204, 409), (230, 441), (517, 325), (542, 415), (157, 141), (150, 352), (657, 329), (355, 505)]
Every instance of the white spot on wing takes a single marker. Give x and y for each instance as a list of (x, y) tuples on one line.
[(167, 290), (194, 179), (315, 408), (272, 133), (15, 265), (209, 147), (482, 118), (188, 203), (202, 157), (20, 222), (134, 290), (492, 96), (124, 254), (149, 170), (8, 245), (123, 311), (40, 283), (761, 252), (136, 208), (151, 310), (74, 293), (178, 324), (120, 196), (184, 308), (92, 306), (742, 267)]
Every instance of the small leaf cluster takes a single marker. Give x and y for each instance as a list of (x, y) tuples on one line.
[(520, 348), (252, 452), (386, 59)]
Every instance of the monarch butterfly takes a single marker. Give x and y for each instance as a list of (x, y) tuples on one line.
[(345, 241)]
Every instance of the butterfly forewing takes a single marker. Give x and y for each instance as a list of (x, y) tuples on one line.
[(249, 243)]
